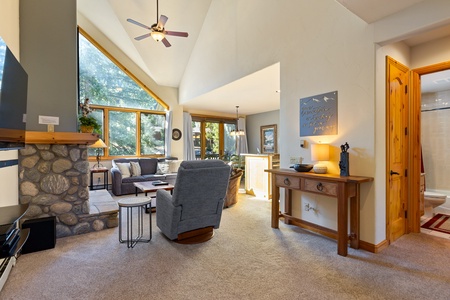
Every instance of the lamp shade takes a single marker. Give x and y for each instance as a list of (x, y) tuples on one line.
[(157, 35), (320, 152), (98, 144)]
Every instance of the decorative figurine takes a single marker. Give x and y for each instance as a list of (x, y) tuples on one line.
[(344, 162), (85, 107)]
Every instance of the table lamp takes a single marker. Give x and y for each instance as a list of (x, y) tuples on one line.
[(320, 152), (99, 144)]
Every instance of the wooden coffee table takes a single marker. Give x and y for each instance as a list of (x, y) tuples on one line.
[(147, 187)]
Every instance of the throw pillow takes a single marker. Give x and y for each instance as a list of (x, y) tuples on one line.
[(163, 168), (124, 169), (135, 168), (174, 165)]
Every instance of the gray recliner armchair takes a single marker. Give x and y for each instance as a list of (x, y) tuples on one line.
[(195, 207)]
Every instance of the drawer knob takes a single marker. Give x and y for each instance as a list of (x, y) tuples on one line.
[(319, 186), (286, 181)]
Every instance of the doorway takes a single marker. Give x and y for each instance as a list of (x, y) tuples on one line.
[(396, 208), (212, 138), (417, 102)]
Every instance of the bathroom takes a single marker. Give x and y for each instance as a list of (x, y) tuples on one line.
[(435, 137)]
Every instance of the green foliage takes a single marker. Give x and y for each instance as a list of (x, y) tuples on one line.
[(237, 162), (104, 83)]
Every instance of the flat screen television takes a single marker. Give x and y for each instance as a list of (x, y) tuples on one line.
[(13, 100)]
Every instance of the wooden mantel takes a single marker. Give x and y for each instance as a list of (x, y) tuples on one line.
[(61, 138)]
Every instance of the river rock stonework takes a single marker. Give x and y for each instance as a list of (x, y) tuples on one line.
[(53, 180)]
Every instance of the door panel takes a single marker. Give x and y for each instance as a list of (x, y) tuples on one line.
[(397, 106)]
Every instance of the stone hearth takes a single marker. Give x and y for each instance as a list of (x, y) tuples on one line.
[(54, 180)]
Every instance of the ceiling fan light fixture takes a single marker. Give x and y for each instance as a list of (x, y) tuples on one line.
[(158, 36)]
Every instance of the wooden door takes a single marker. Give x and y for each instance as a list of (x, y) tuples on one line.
[(397, 148)]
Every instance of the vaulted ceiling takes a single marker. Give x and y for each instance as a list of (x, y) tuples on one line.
[(166, 65)]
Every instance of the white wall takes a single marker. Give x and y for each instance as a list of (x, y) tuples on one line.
[(435, 139), (9, 31), (321, 47)]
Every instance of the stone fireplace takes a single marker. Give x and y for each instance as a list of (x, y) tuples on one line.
[(54, 181)]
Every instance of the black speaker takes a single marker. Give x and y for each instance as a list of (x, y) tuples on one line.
[(42, 234)]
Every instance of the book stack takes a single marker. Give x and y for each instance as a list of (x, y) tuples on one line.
[(9, 236)]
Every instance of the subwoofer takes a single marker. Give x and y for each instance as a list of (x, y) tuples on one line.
[(42, 234)]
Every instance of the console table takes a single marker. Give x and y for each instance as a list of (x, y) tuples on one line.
[(342, 188)]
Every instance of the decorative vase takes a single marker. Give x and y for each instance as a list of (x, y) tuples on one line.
[(344, 164), (86, 129)]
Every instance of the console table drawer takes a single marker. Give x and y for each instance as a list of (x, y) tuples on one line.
[(326, 188), (288, 181)]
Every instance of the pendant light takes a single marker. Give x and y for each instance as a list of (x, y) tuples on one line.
[(237, 132)]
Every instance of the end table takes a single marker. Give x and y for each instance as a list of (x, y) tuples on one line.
[(105, 177)]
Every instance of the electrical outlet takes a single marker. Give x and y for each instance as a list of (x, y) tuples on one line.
[(294, 160)]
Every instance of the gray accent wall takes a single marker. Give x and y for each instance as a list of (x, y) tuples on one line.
[(253, 125), (48, 52)]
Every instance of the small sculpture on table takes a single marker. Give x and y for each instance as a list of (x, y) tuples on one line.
[(344, 162)]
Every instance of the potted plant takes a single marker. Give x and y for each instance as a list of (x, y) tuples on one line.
[(87, 123)]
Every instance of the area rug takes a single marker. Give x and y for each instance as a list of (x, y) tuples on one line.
[(439, 222)]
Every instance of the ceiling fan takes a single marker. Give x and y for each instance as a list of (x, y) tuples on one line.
[(157, 31)]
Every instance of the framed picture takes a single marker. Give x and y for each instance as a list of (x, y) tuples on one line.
[(318, 114), (269, 138)]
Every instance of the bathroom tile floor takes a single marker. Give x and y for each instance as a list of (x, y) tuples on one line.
[(425, 219)]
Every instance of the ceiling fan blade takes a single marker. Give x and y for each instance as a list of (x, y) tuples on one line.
[(141, 37), (176, 33), (138, 24), (166, 42), (162, 21)]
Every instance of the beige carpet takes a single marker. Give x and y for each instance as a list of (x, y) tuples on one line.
[(246, 259)]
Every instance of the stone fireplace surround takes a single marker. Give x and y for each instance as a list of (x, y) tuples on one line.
[(54, 181)]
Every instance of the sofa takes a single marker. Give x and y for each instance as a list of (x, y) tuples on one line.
[(126, 171)]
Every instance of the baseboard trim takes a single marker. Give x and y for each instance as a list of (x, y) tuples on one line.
[(373, 248)]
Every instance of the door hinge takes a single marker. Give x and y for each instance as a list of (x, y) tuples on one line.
[(406, 172), (406, 130), (406, 89)]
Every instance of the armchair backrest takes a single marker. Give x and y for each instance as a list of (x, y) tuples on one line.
[(200, 187)]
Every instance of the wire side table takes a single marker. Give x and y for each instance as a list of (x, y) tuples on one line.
[(129, 204)]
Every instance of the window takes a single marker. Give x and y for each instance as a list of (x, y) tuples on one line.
[(212, 139), (132, 117)]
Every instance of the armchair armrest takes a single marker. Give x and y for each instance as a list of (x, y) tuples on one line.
[(116, 177), (168, 215)]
